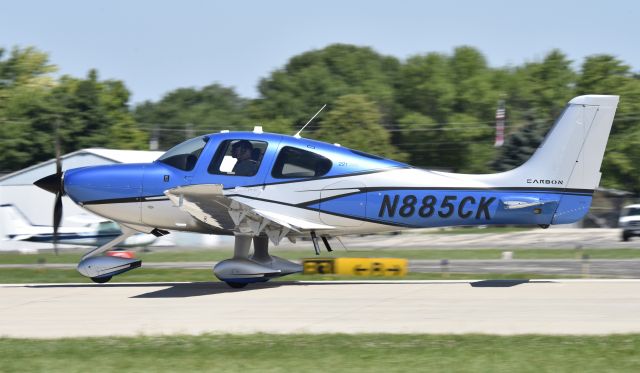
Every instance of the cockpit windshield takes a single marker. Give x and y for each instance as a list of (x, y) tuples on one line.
[(185, 155)]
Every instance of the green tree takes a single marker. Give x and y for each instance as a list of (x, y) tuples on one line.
[(92, 113), (460, 94), (535, 95), (416, 132), (522, 143), (437, 85), (604, 74), (278, 125), (34, 107), (319, 77), (354, 121), (474, 85), (620, 165), (425, 86), (450, 146), (188, 111), (25, 67), (25, 82), (435, 110), (544, 87)]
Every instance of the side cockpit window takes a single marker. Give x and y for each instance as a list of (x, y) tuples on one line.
[(238, 158), (184, 156), (298, 163)]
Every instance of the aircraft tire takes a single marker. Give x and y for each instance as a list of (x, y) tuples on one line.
[(236, 285), (625, 236), (100, 280)]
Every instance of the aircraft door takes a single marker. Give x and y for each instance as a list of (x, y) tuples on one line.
[(343, 204)]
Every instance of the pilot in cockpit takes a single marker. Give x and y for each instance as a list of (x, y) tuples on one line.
[(245, 165)]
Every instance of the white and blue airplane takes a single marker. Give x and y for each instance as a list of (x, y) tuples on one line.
[(88, 231), (265, 187)]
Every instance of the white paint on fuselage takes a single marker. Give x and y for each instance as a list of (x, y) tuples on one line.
[(120, 212), (154, 214)]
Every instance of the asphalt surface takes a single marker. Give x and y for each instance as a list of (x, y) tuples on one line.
[(491, 307)]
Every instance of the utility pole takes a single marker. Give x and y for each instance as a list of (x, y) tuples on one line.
[(501, 113), (154, 142), (188, 131)]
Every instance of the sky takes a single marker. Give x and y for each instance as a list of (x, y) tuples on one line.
[(158, 46)]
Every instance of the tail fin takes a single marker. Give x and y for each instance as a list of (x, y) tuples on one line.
[(571, 154), (12, 221)]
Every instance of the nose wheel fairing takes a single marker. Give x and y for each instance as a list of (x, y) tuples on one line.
[(101, 268), (98, 267)]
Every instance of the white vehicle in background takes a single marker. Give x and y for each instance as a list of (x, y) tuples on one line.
[(630, 221)]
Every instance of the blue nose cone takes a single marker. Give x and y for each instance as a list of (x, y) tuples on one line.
[(102, 184)]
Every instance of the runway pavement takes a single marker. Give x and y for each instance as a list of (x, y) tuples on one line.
[(493, 307)]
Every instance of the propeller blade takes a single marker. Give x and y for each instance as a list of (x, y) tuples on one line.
[(57, 218), (57, 207)]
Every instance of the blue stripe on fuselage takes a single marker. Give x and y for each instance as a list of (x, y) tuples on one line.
[(450, 207)]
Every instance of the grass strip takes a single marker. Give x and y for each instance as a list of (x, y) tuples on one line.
[(325, 352), (428, 254), (48, 275)]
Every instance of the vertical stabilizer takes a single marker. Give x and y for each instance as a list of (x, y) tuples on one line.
[(12, 221), (571, 154)]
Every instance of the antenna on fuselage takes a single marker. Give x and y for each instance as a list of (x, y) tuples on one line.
[(297, 135)]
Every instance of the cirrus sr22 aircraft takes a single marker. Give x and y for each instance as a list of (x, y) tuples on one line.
[(264, 187)]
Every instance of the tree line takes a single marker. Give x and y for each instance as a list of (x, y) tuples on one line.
[(432, 110)]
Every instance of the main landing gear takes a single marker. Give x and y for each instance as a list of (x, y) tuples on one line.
[(244, 268)]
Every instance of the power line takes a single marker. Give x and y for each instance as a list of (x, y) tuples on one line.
[(392, 128)]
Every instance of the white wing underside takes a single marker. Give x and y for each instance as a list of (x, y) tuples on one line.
[(208, 204)]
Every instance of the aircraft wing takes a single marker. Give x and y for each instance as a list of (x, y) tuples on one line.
[(207, 203), (21, 237)]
